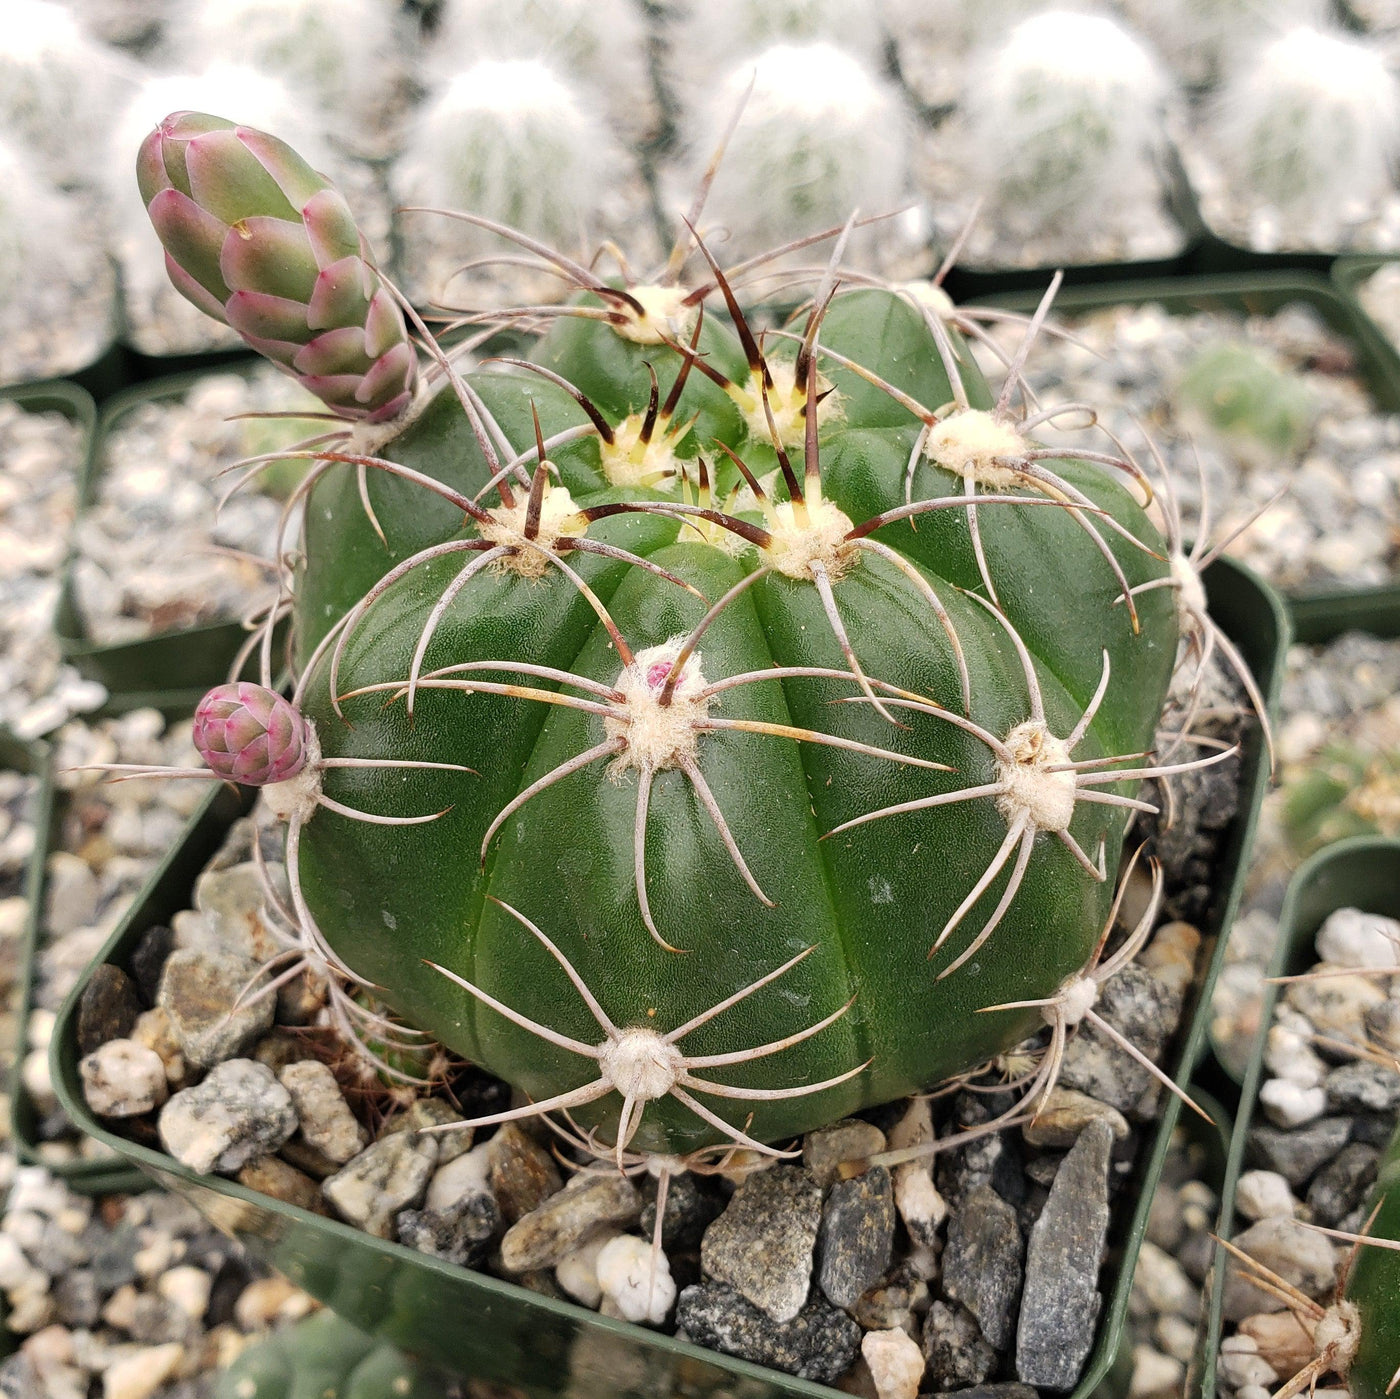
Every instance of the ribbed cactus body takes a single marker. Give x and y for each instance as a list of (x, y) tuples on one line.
[(1373, 1286), (870, 900)]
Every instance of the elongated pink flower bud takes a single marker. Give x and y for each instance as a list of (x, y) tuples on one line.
[(250, 734), (256, 238)]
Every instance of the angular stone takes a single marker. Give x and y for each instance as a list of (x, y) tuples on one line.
[(817, 1343), (824, 1150), (588, 1203), (270, 1175), (1362, 1087), (954, 1347), (237, 1113), (207, 996), (433, 1112), (1060, 1302), (982, 1262), (148, 960), (1297, 1254), (523, 1174), (233, 900), (856, 1236), (123, 1079), (1064, 1115), (692, 1204), (896, 1363), (1297, 1155), (461, 1235), (763, 1243), (996, 1159), (1141, 1008), (108, 1008), (1341, 1185), (325, 1117), (1008, 1389), (390, 1176)]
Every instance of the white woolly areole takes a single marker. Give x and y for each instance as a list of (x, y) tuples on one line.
[(558, 515), (797, 545), (974, 444), (636, 1279), (664, 315), (1046, 797), (296, 797), (1190, 593), (641, 1064), (787, 401), (1076, 999), (657, 736), (628, 461), (1338, 1335)]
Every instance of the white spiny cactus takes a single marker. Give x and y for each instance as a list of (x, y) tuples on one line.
[(820, 135), (1307, 130), (1062, 124), (58, 86), (1201, 37), (513, 141), (329, 49)]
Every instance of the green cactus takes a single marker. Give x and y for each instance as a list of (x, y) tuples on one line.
[(1373, 1288), (1344, 790), (324, 1357), (803, 698), (1244, 393)]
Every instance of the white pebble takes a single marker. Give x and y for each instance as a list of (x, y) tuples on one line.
[(577, 1272), (465, 1175), (1263, 1194), (1154, 1373), (1289, 1104), (1288, 1054), (123, 1079), (1351, 938), (1241, 1364), (139, 1373), (896, 1363), (15, 1268), (36, 1078), (188, 1287), (635, 1279)]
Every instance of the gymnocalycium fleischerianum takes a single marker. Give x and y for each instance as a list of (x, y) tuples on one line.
[(707, 731)]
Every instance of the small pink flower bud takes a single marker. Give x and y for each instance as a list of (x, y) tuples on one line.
[(250, 734)]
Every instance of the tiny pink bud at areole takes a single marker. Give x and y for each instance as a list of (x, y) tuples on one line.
[(250, 734)]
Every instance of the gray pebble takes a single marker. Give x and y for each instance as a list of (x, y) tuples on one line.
[(1144, 1010), (462, 1235), (1362, 1087), (77, 1298), (148, 960), (1061, 1301), (691, 1205), (1296, 1155), (588, 1203), (1341, 1185), (982, 1262), (763, 1243), (1008, 1389), (325, 1117), (824, 1150), (1298, 1255), (233, 900), (954, 1347), (237, 1113), (390, 1176), (208, 996), (523, 1174), (856, 1236), (817, 1343)]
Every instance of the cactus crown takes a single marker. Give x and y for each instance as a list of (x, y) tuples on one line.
[(710, 730)]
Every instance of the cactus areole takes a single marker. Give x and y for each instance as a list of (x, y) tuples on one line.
[(785, 716)]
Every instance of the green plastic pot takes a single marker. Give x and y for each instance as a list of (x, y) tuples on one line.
[(496, 1331), (172, 668), (1362, 873), (89, 1177)]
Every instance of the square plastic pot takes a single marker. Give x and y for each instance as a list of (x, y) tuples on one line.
[(1362, 873), (167, 670), (493, 1330)]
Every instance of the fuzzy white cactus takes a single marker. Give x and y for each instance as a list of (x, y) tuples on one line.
[(820, 135), (55, 281), (601, 45), (160, 320), (1307, 130), (1062, 124), (332, 50), (512, 141), (1199, 38), (58, 86)]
